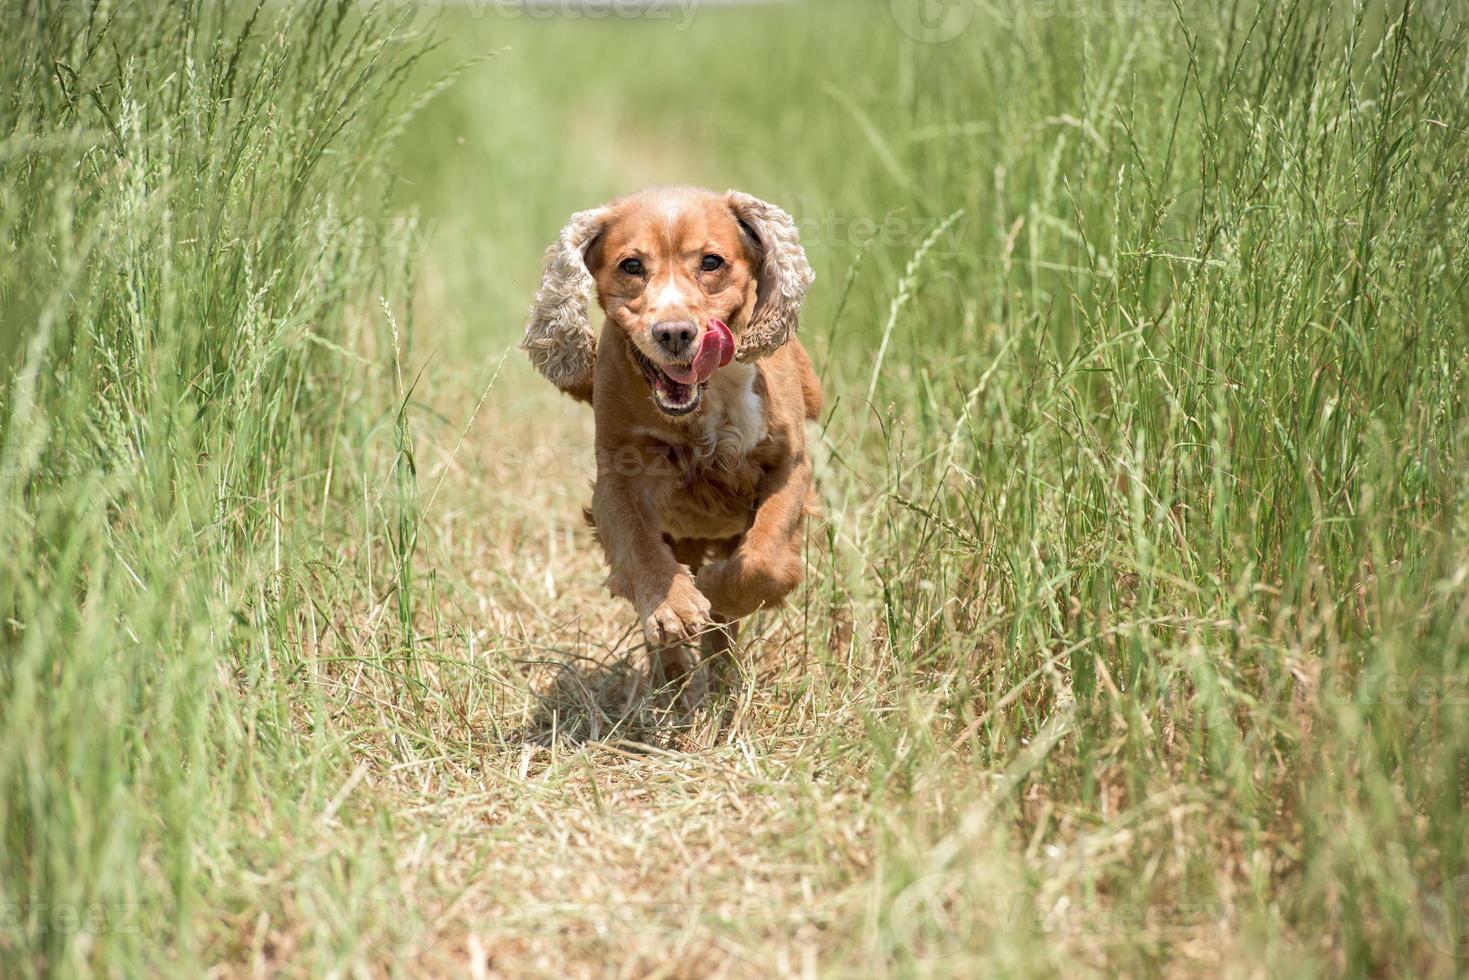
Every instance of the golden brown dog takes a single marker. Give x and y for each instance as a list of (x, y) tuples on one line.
[(701, 393)]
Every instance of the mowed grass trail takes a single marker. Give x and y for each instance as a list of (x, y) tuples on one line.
[(1134, 637)]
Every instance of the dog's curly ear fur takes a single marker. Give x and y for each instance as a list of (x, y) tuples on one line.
[(783, 278), (558, 336)]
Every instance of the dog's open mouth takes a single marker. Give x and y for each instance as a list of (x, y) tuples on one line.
[(672, 397), (677, 387)]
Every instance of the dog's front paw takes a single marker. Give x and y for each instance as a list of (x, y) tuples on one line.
[(679, 615), (739, 586)]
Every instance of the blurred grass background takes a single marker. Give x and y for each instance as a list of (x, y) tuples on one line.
[(1134, 637)]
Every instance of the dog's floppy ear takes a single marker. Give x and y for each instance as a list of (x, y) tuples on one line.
[(784, 275), (558, 336)]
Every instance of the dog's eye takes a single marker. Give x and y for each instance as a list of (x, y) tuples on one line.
[(712, 262), (632, 267)]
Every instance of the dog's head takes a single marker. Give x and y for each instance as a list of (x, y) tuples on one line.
[(687, 275)]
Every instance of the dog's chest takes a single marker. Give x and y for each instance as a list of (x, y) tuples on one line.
[(715, 471)]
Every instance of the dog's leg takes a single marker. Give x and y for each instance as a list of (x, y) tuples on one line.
[(718, 642), (718, 647), (767, 563), (673, 665), (676, 664), (642, 566)]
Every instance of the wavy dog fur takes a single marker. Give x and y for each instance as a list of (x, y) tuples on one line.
[(785, 275), (702, 488), (559, 336)]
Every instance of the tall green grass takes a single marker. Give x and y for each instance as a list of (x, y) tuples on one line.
[(194, 251), (1135, 633), (1209, 459)]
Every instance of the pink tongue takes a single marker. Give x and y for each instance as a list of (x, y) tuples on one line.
[(715, 351)]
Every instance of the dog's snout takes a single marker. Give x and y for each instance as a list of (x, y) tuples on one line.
[(676, 337)]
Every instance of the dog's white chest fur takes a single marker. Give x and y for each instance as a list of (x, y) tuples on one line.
[(733, 422), (714, 484)]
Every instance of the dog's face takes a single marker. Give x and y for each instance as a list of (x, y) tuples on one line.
[(674, 268), (689, 278)]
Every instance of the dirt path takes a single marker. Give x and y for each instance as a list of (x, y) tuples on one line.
[(552, 816)]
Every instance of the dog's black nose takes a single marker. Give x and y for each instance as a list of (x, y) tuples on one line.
[(676, 337)]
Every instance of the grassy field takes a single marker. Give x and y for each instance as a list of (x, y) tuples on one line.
[(1135, 636)]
